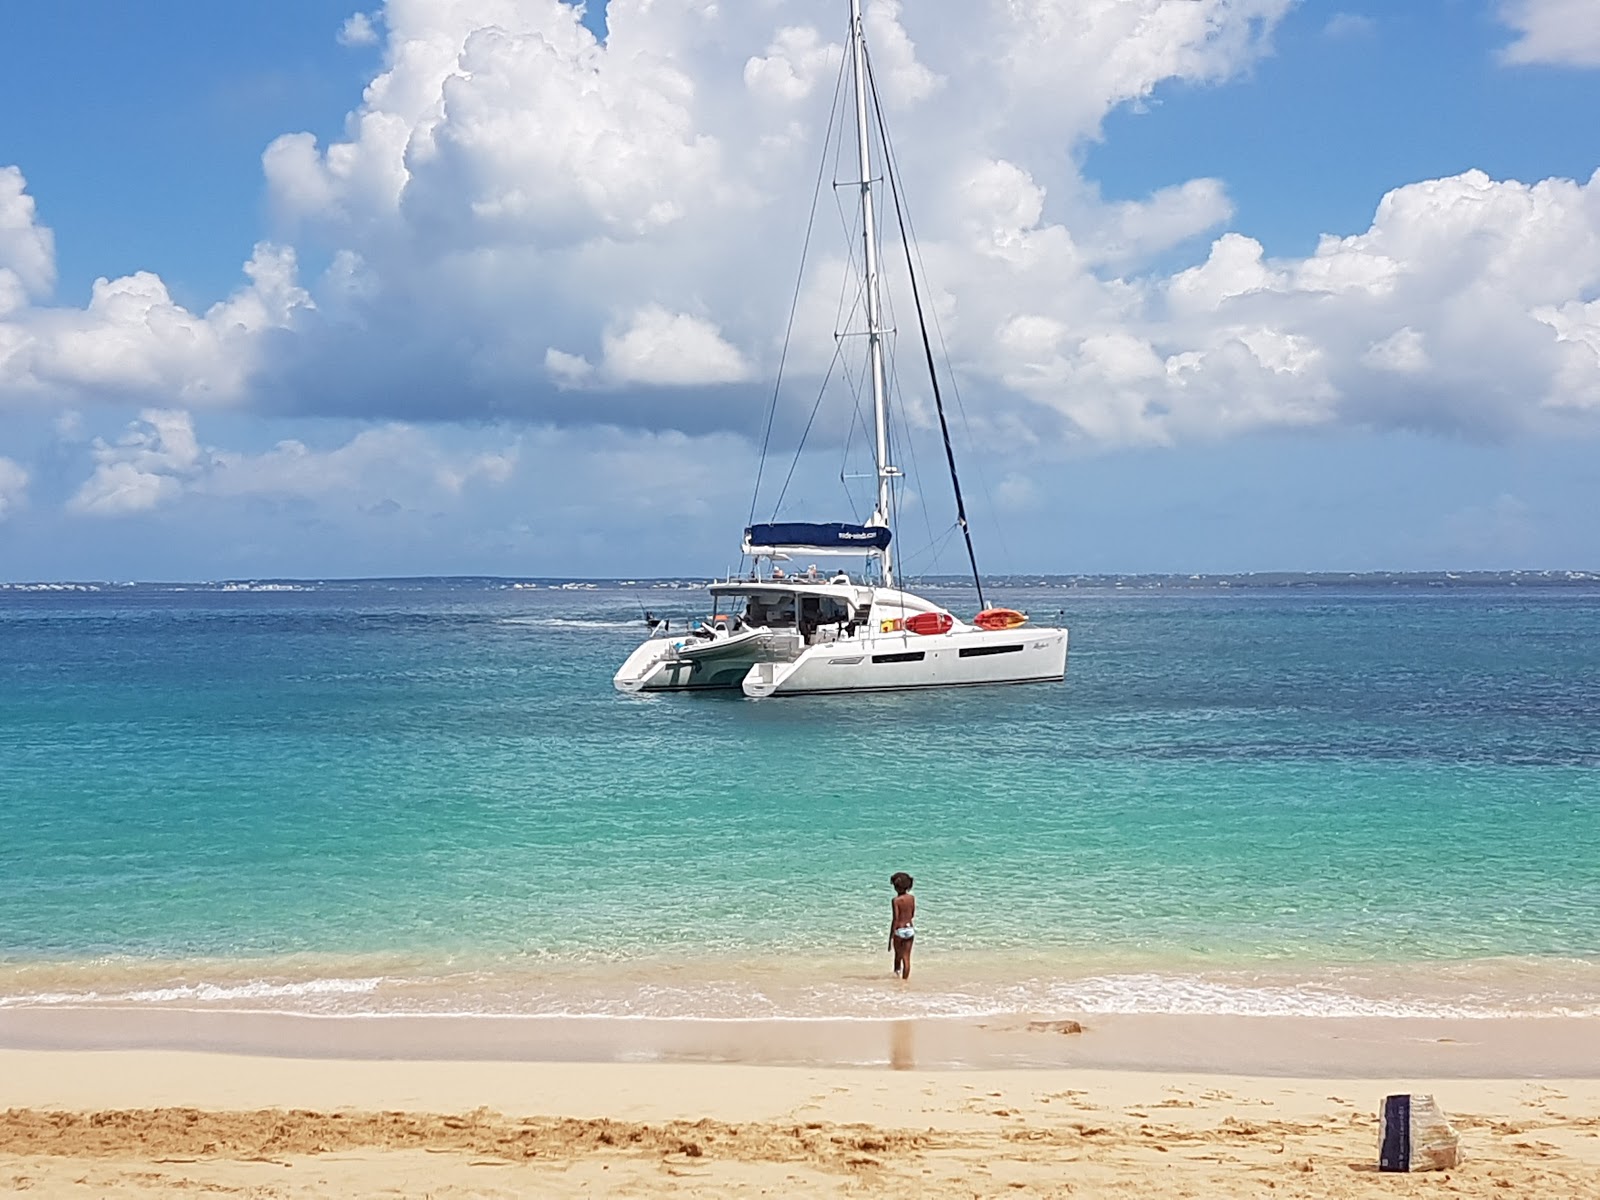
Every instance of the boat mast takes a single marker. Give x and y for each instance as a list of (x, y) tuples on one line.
[(869, 234)]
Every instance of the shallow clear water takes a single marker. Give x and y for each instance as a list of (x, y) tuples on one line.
[(427, 795)]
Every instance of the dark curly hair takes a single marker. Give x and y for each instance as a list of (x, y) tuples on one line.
[(901, 882)]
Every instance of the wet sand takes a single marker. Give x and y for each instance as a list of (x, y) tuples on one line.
[(1368, 1047)]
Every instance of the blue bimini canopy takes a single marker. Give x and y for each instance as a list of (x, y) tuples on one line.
[(801, 536)]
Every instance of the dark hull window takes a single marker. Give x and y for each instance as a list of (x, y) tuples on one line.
[(911, 656), (980, 651)]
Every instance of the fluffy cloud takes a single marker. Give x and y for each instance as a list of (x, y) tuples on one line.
[(525, 224), (794, 63), (133, 339), (507, 176), (1577, 329), (358, 30), (1085, 59), (13, 487), (391, 498), (1452, 311), (158, 459), (149, 464), (1563, 32), (27, 249), (655, 347)]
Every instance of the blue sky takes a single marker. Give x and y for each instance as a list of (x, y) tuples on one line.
[(1355, 99), (516, 309)]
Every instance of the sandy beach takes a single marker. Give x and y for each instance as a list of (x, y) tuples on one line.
[(89, 1122)]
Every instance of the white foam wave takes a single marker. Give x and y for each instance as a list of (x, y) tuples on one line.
[(574, 623), (743, 1000), (1188, 996), (205, 993)]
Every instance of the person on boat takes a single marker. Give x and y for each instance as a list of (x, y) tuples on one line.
[(902, 931), (777, 571), (810, 618)]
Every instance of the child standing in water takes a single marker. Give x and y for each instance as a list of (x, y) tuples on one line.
[(902, 931)]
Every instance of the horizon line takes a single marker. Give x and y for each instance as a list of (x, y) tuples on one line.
[(1444, 575)]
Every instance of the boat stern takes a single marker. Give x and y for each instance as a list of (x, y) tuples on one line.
[(646, 666)]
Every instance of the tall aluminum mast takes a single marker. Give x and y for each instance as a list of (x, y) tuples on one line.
[(869, 234)]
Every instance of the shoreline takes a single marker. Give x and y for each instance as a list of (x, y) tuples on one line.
[(958, 984), (1324, 1047)]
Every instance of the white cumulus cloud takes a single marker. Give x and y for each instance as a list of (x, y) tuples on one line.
[(1561, 32), (794, 63), (146, 466), (526, 224), (159, 458), (27, 248), (358, 30), (657, 346), (654, 347), (133, 339)]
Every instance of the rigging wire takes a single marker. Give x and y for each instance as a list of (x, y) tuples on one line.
[(815, 408), (838, 344), (995, 528), (794, 303), (845, 308), (891, 174), (935, 548)]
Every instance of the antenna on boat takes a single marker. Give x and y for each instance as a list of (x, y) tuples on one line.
[(869, 235)]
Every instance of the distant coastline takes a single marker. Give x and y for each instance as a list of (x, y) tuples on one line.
[(1170, 582)]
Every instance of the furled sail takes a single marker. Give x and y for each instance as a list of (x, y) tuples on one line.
[(801, 536)]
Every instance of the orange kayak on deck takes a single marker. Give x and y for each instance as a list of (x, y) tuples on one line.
[(926, 623), (1000, 618)]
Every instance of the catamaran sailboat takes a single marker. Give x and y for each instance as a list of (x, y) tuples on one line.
[(777, 633)]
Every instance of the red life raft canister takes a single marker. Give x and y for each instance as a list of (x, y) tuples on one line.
[(930, 622)]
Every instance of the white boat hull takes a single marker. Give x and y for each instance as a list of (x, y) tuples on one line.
[(770, 664), (665, 664), (965, 657)]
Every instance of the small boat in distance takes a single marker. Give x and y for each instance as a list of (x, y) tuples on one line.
[(773, 633)]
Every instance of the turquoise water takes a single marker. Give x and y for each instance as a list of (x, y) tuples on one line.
[(427, 796)]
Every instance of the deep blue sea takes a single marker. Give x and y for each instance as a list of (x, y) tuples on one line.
[(1369, 796)]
